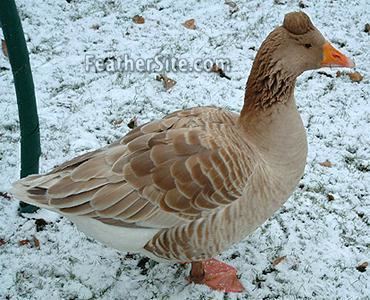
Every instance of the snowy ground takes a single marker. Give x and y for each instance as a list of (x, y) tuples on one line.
[(322, 241)]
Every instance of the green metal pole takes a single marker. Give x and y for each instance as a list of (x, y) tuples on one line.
[(24, 88)]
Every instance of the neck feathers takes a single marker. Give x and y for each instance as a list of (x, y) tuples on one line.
[(268, 83)]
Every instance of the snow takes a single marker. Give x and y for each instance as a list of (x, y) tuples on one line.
[(323, 241)]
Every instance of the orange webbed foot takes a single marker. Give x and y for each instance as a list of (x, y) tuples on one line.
[(216, 275)]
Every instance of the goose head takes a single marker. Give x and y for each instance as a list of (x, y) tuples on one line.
[(289, 50), (298, 46)]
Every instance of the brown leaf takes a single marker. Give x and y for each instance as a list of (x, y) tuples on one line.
[(2, 242), (216, 69), (362, 267), (24, 242), (339, 74), (189, 24), (138, 19), (330, 197), (36, 242), (326, 164), (168, 83), (133, 123), (367, 28), (355, 76), (278, 260), (4, 47)]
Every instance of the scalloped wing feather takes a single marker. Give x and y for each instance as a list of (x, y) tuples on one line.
[(161, 174)]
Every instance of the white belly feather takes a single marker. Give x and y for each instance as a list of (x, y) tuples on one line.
[(120, 238)]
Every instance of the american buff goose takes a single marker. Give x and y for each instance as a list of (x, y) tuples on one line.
[(185, 188)]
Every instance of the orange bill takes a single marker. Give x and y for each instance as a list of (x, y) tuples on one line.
[(333, 58)]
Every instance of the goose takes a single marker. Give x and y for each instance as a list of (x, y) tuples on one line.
[(186, 187)]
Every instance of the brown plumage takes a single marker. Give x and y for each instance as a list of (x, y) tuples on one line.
[(188, 186)]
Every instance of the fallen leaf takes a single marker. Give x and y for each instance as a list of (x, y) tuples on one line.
[(2, 242), (168, 83), (40, 224), (133, 123), (330, 197), (355, 76), (189, 24), (216, 69), (5, 195), (36, 242), (138, 19), (362, 267), (233, 7), (278, 260), (367, 28), (4, 47), (339, 74), (23, 242), (326, 164)]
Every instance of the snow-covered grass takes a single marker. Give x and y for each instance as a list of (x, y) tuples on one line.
[(323, 241)]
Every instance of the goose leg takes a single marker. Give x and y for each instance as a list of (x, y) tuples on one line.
[(197, 274), (216, 275)]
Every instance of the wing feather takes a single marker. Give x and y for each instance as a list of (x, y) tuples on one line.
[(109, 195), (160, 174)]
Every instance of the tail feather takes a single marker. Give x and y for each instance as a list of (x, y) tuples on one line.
[(33, 189)]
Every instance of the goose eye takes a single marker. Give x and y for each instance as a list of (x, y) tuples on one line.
[(308, 45)]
